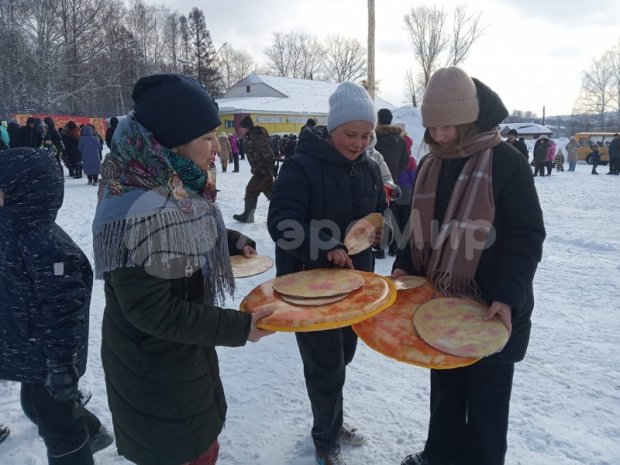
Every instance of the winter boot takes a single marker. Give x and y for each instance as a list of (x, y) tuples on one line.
[(248, 214), (100, 440), (95, 179), (350, 435), (4, 432), (330, 458), (415, 459)]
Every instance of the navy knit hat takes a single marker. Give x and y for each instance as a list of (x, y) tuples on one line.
[(385, 116), (175, 108), (350, 102)]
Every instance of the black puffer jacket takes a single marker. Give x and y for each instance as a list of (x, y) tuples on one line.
[(506, 269), (45, 279), (318, 195)]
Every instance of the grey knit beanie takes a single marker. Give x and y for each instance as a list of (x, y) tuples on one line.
[(350, 102), (450, 99)]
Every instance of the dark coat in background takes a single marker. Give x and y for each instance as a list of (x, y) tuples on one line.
[(45, 279), (318, 183), (109, 132), (90, 149), (162, 376), (71, 140), (521, 147), (29, 137)]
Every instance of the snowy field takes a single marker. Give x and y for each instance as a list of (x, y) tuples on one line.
[(566, 397)]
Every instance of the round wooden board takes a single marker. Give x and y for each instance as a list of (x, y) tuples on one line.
[(403, 283), (312, 301), (392, 334), (323, 282), (362, 233), (455, 326), (242, 267), (376, 294)]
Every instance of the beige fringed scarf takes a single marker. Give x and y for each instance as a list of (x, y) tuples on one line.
[(449, 253)]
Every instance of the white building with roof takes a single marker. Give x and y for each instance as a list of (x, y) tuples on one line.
[(280, 104), (526, 130)]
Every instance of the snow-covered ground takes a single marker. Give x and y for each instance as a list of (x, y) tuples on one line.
[(566, 397)]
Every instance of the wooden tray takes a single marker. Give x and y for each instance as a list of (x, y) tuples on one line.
[(376, 294), (392, 334)]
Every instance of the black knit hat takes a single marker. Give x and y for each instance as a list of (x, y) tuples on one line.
[(247, 122), (175, 108), (513, 132), (385, 116)]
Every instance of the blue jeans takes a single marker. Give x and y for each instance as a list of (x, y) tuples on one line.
[(572, 165)]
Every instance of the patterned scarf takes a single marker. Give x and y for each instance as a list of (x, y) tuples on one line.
[(449, 253), (146, 217)]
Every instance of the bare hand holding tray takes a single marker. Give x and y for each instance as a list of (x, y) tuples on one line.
[(392, 334), (455, 325), (376, 294), (242, 267), (362, 233)]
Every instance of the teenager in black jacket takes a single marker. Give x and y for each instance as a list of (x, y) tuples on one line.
[(481, 187)]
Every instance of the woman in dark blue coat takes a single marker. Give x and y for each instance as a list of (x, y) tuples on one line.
[(327, 185), (45, 289)]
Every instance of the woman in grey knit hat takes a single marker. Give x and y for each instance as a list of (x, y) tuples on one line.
[(480, 191), (328, 184)]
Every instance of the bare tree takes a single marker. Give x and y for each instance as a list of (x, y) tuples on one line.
[(614, 57), (294, 55), (345, 59), (234, 64), (371, 48), (466, 31), (411, 88), (426, 32), (597, 89)]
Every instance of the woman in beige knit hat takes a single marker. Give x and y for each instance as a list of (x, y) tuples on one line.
[(477, 232)]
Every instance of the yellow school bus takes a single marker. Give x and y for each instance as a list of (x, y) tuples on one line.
[(587, 140)]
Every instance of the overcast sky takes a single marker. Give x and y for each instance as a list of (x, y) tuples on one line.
[(533, 52)]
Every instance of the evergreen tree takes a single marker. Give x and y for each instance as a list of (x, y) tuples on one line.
[(202, 64)]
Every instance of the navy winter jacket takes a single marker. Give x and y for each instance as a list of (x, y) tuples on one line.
[(318, 195), (45, 279)]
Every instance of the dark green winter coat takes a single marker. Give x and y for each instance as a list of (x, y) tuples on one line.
[(161, 367)]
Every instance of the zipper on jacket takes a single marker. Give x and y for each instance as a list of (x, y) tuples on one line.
[(353, 169), (188, 274)]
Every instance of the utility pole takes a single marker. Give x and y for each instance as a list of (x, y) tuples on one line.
[(543, 122), (371, 48)]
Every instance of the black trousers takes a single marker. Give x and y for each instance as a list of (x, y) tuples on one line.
[(469, 415), (235, 157), (401, 215), (64, 426), (325, 355)]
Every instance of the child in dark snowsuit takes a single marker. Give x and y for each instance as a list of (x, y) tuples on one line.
[(45, 289)]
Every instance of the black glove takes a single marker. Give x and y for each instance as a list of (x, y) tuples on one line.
[(62, 379)]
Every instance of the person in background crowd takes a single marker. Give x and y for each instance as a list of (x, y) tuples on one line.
[(53, 135), (73, 157), (30, 135), (44, 307), (329, 179), (90, 148), (571, 153), (472, 181), (559, 161), (551, 150), (614, 155), (540, 155), (225, 151), (14, 132), (241, 146), (309, 126), (234, 148), (109, 132), (163, 252), (392, 146), (516, 143), (262, 164), (5, 139), (595, 158)]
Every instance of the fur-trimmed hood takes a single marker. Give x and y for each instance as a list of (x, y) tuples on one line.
[(383, 129)]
